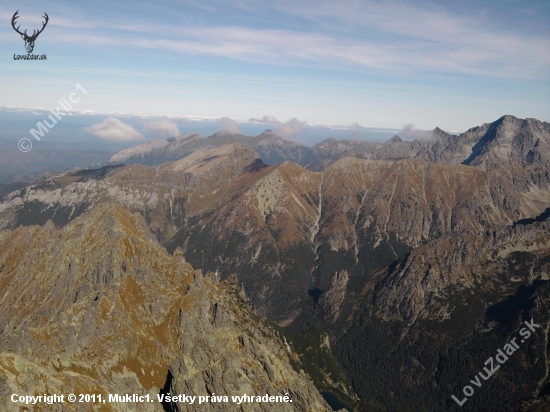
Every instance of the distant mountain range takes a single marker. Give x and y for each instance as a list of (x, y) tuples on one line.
[(418, 260), (271, 148), (508, 138)]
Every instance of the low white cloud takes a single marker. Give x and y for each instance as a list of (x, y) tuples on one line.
[(356, 129), (266, 119), (164, 126), (409, 132), (292, 127), (228, 125), (113, 129)]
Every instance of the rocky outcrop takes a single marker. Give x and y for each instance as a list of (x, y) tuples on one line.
[(100, 307), (332, 299)]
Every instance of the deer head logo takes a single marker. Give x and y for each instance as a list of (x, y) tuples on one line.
[(29, 40)]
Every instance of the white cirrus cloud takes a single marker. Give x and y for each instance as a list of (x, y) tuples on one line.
[(292, 127), (113, 129), (409, 38), (164, 126)]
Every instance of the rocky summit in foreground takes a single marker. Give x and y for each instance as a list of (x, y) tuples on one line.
[(100, 307)]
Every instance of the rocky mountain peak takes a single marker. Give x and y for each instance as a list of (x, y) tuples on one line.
[(395, 140), (268, 133), (508, 118), (441, 133), (328, 140)]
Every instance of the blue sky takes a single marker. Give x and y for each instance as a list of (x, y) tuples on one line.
[(382, 64)]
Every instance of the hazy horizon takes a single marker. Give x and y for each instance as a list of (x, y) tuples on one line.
[(357, 66)]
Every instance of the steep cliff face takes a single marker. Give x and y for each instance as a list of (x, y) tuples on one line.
[(426, 325), (493, 144), (100, 307)]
